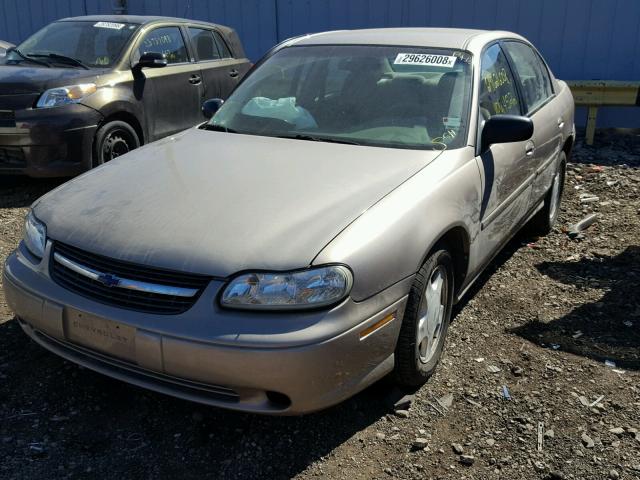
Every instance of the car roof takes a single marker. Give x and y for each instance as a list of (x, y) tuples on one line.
[(136, 19), (455, 38)]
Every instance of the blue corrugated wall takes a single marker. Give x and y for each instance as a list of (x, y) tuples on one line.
[(581, 39)]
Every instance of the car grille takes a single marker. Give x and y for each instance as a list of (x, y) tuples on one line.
[(142, 301), (7, 119), (12, 157)]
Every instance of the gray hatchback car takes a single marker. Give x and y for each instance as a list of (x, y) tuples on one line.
[(313, 236)]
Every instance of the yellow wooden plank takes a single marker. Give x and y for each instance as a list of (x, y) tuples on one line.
[(591, 124), (609, 92)]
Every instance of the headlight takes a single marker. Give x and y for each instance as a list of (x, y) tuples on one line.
[(65, 95), (315, 287), (35, 235)]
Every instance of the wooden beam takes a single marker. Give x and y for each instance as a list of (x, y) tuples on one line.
[(603, 93), (591, 124)]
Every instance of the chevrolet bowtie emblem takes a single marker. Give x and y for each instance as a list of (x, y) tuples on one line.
[(108, 280)]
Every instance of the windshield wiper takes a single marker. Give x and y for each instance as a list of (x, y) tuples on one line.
[(313, 138), (28, 58), (217, 128), (62, 58)]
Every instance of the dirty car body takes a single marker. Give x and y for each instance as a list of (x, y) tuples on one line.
[(311, 238), (84, 90)]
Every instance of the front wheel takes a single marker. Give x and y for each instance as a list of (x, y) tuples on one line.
[(426, 321), (112, 140)]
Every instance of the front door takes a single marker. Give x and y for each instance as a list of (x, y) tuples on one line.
[(507, 168), (540, 105), (172, 96)]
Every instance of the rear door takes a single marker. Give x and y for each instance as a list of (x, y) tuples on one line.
[(541, 106), (220, 71), (507, 169), (172, 96)]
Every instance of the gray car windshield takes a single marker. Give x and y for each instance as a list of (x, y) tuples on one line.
[(401, 97), (75, 44)]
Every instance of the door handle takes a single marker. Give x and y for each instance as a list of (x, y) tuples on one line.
[(560, 123), (530, 149), (195, 79), (234, 73)]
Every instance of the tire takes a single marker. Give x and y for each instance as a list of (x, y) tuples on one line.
[(543, 221), (112, 140), (415, 361)]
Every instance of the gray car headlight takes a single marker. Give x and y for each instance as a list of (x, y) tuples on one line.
[(35, 235), (311, 288), (65, 95)]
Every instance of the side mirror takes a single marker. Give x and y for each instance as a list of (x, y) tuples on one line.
[(505, 129), (211, 106), (151, 60)]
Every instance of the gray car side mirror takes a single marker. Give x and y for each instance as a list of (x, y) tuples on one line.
[(505, 129)]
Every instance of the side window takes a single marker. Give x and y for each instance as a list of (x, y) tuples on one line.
[(222, 46), (167, 40), (498, 94), (532, 73), (204, 44)]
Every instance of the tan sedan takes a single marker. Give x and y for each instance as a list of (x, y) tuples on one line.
[(311, 237)]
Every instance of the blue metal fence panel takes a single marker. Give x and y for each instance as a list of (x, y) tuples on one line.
[(581, 39)]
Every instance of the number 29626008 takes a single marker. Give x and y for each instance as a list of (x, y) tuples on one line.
[(447, 61)]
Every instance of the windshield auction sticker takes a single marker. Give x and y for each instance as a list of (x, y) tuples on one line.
[(447, 61), (112, 25)]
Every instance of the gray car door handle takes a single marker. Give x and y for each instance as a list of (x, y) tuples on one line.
[(560, 123), (195, 79), (234, 73), (530, 148)]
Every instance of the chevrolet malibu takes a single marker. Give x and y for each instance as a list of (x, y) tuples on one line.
[(313, 235)]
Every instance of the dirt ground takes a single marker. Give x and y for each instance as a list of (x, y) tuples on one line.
[(554, 325)]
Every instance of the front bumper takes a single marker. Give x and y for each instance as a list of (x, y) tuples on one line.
[(321, 360), (50, 142)]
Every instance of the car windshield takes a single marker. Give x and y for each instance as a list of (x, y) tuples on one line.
[(400, 97), (75, 44)]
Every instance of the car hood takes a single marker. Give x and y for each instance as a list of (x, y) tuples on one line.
[(21, 85), (217, 203), (21, 79)]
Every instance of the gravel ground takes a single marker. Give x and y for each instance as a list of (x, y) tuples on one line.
[(554, 325)]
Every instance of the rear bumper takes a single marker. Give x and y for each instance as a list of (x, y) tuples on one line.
[(270, 379), (52, 142)]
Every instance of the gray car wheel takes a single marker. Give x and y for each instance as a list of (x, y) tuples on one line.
[(426, 321)]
